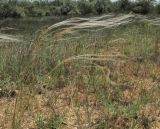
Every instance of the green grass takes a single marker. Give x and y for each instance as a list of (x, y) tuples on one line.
[(51, 63), (54, 122), (137, 40)]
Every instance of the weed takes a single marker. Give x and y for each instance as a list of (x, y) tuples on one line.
[(40, 122)]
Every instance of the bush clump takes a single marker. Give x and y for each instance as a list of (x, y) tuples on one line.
[(143, 7), (8, 11), (71, 7)]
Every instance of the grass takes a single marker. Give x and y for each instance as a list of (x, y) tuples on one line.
[(54, 121), (101, 80)]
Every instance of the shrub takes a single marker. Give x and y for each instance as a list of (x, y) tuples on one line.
[(100, 6), (123, 5), (34, 11), (57, 2), (8, 11), (84, 7), (158, 8), (47, 14), (29, 10), (56, 11), (66, 7), (143, 7)]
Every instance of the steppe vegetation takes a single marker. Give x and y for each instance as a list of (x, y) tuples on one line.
[(41, 8), (99, 72)]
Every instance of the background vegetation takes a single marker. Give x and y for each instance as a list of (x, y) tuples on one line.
[(15, 8)]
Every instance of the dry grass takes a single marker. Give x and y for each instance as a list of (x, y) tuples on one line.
[(108, 79)]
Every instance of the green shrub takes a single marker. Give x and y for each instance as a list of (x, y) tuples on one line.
[(84, 7), (143, 7), (100, 6), (158, 8), (66, 8), (123, 6), (56, 11), (8, 11)]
